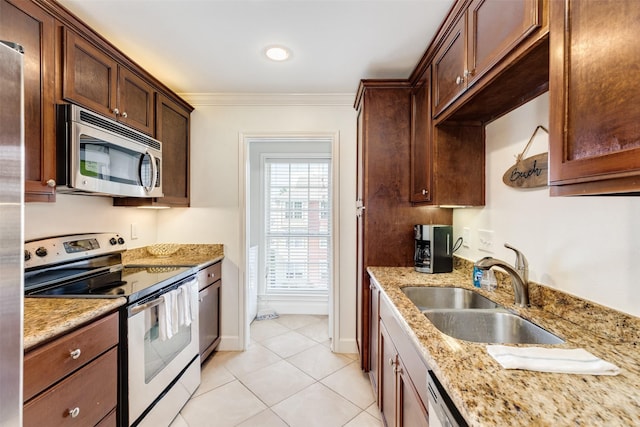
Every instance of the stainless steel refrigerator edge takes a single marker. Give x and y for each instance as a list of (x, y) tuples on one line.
[(11, 232)]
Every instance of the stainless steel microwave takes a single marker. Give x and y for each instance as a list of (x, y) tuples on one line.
[(97, 155)]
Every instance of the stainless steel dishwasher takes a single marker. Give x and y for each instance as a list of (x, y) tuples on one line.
[(442, 411)]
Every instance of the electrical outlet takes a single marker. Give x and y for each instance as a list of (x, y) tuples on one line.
[(466, 237), (134, 231), (485, 240)]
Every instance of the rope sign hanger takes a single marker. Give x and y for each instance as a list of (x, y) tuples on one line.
[(529, 172)]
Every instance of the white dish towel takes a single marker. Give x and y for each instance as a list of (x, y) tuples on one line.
[(168, 315), (188, 302), (555, 360)]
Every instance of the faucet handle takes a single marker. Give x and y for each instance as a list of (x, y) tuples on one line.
[(521, 262)]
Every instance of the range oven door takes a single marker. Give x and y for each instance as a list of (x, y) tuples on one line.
[(153, 363)]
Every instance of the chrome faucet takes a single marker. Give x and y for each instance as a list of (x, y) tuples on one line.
[(519, 274)]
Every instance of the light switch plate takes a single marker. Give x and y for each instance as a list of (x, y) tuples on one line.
[(134, 231), (485, 240)]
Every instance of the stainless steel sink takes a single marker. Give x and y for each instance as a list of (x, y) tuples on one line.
[(426, 298), (490, 326)]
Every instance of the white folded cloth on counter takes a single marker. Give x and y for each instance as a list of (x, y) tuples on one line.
[(555, 360), (168, 315)]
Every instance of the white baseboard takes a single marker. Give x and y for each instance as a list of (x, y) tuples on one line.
[(345, 346), (230, 343), (297, 307)]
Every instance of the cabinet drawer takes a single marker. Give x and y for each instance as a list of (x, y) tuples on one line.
[(92, 392), (50, 363), (208, 275)]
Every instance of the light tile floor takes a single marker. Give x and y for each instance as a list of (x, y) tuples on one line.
[(287, 377)]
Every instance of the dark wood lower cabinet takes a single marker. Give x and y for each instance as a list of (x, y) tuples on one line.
[(401, 373), (73, 380)]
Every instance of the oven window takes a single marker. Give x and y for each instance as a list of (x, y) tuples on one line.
[(158, 353)]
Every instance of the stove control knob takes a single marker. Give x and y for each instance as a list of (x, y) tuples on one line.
[(120, 241), (113, 241), (41, 251), (27, 255)]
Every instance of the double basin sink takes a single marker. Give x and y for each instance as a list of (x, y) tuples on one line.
[(467, 315)]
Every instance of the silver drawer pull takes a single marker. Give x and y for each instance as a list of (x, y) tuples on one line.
[(75, 353), (212, 274), (74, 412)]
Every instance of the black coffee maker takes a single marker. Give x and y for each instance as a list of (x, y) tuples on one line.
[(433, 248)]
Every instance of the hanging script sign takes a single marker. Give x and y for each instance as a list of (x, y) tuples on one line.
[(530, 172)]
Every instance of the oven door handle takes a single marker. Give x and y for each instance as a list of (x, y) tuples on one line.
[(142, 307)]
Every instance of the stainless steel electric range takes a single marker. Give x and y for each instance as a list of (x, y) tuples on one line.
[(159, 370)]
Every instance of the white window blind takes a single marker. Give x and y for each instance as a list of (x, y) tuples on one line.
[(297, 225)]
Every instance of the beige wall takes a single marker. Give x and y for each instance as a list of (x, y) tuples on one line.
[(585, 246)]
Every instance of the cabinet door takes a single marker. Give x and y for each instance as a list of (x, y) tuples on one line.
[(27, 24), (411, 411), (387, 386), (172, 129), (135, 101), (421, 139), (495, 27), (449, 67), (89, 75), (595, 103)]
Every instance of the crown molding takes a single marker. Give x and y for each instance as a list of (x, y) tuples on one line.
[(269, 99)]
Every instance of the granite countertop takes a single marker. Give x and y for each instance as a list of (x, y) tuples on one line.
[(187, 255), (488, 395), (48, 318)]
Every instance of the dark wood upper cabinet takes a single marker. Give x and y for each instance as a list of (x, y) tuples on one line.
[(172, 129), (449, 66), (595, 102), (495, 28), (482, 34), (135, 101), (95, 80), (421, 139), (25, 23)]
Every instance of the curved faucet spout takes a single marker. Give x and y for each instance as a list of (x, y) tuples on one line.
[(519, 274)]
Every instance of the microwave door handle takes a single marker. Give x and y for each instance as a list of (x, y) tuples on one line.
[(154, 175)]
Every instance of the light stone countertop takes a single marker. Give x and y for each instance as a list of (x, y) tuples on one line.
[(488, 395), (188, 255), (48, 318)]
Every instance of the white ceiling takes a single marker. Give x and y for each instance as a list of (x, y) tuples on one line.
[(216, 46)]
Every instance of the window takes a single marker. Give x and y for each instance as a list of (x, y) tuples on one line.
[(297, 225)]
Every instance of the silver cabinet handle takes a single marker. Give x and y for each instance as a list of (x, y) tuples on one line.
[(75, 353), (74, 412), (425, 191), (211, 275), (51, 183), (459, 80), (116, 111), (124, 114), (391, 361)]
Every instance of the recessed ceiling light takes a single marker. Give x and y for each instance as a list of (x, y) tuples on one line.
[(277, 53)]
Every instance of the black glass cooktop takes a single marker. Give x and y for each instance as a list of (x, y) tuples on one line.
[(130, 282)]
